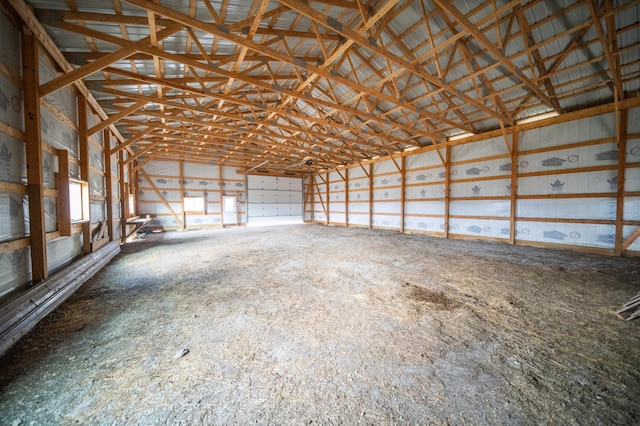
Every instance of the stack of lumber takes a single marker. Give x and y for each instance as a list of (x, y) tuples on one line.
[(631, 309)]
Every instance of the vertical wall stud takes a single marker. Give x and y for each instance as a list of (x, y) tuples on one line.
[(184, 214), (124, 197), (83, 139), (622, 159), (221, 193), (35, 185), (108, 181), (513, 207), (447, 190), (370, 195), (327, 196), (402, 191), (346, 197)]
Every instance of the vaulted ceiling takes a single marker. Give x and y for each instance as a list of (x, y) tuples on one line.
[(307, 85)]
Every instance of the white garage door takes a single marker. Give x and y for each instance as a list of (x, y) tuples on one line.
[(274, 200)]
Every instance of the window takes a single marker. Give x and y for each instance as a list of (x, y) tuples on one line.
[(194, 204), (78, 200), (132, 205)]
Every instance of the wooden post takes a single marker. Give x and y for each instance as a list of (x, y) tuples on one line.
[(447, 190), (402, 194), (312, 179), (622, 159), (35, 185), (124, 197), (370, 195), (346, 197), (108, 181), (513, 207), (64, 208), (83, 140), (184, 214), (221, 195), (326, 188)]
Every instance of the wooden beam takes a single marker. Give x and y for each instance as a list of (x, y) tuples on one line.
[(370, 175), (85, 165), (403, 194), (447, 190), (33, 142), (621, 125), (124, 197), (346, 197), (630, 239), (108, 182), (513, 213), (116, 117), (327, 185)]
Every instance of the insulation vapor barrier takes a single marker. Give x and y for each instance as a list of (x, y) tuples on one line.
[(15, 270)]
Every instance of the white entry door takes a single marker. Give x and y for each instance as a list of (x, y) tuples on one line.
[(229, 210)]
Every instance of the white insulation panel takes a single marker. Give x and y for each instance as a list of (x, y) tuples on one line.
[(579, 234)]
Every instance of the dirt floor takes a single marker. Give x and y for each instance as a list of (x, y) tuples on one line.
[(321, 325)]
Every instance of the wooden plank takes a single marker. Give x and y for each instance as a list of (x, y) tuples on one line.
[(9, 246), (13, 188), (33, 142), (131, 140), (630, 239), (116, 117)]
